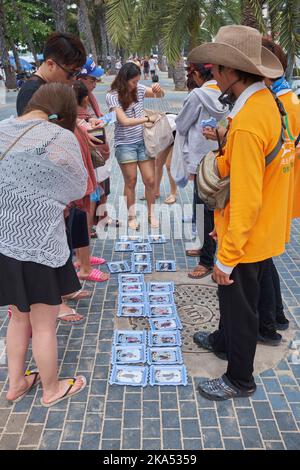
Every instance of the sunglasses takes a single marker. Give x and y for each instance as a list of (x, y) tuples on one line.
[(70, 73)]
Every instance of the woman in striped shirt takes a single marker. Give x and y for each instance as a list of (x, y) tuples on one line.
[(126, 98)]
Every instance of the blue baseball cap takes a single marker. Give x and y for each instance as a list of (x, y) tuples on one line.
[(91, 69)]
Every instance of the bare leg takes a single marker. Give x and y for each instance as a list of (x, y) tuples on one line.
[(18, 337), (44, 347), (129, 171), (147, 170), (159, 168), (168, 166)]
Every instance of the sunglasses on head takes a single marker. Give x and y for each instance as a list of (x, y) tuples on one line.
[(70, 73)]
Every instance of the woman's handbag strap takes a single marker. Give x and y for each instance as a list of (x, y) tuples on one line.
[(17, 139)]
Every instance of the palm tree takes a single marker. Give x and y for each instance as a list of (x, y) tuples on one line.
[(25, 31), (59, 8), (8, 69), (85, 29)]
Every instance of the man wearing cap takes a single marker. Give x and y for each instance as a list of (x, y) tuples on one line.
[(253, 226), (89, 75)]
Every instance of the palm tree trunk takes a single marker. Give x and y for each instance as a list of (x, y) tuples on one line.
[(248, 15), (170, 70), (10, 75), (101, 24), (59, 8), (162, 64), (179, 75), (25, 32), (85, 29), (16, 57)]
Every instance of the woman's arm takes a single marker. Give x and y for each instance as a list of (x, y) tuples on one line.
[(127, 122), (155, 91)]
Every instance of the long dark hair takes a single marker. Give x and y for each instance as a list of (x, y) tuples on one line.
[(127, 72), (56, 98), (80, 91)]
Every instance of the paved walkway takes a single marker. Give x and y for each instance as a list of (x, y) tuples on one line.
[(113, 417)]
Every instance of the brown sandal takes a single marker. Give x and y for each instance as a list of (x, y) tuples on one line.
[(200, 271), (193, 253)]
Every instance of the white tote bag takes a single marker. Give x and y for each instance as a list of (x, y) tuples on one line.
[(158, 135)]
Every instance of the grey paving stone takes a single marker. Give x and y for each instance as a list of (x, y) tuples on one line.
[(292, 394), (287, 380), (224, 408), (151, 393), (269, 430), (291, 440), (90, 441), (15, 423), (263, 410), (172, 439), (229, 427), (192, 444), (246, 417), (272, 385), (131, 439), (170, 419), (151, 409), (38, 414), (112, 429), (186, 393), (69, 445), (110, 444), (24, 405), (114, 409), (132, 419), (55, 420), (101, 372), (103, 359), (151, 428), (96, 404), (76, 411), (190, 428), (278, 402), (188, 409), (93, 423), (268, 373), (151, 444), (31, 434), (285, 421), (168, 401), (9, 441), (72, 431), (133, 401), (251, 438), (71, 357), (211, 438), (274, 445), (115, 392), (259, 394), (98, 387), (296, 410), (233, 444), (208, 417)]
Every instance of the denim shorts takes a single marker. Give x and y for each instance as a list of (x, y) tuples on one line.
[(129, 153)]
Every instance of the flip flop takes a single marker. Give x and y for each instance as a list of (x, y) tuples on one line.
[(94, 260), (133, 224), (35, 382), (67, 394), (78, 295), (153, 224), (196, 273), (95, 275), (171, 199), (70, 322)]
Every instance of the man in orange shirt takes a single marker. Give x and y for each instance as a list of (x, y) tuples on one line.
[(248, 229)]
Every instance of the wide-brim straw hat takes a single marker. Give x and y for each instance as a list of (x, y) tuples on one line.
[(240, 48)]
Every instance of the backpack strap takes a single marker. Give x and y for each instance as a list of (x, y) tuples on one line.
[(297, 141), (270, 157)]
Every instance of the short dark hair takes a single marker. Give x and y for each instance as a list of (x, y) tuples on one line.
[(55, 98), (277, 50), (204, 70), (65, 48), (245, 76), (80, 91)]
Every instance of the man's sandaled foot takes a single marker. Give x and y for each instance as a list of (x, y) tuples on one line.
[(153, 222), (67, 389), (32, 377), (71, 317), (199, 272)]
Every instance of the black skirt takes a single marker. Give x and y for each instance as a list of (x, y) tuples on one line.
[(24, 283)]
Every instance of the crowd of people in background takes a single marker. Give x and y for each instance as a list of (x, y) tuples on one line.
[(55, 177)]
